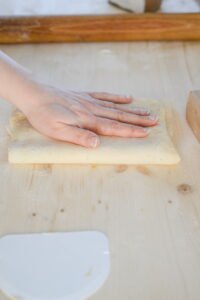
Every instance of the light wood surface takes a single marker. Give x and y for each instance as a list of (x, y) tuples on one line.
[(150, 214), (193, 113), (100, 28)]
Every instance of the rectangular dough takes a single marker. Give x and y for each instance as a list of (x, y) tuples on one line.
[(29, 146)]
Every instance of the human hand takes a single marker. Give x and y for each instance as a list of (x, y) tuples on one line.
[(80, 117)]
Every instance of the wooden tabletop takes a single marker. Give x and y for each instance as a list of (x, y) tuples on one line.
[(150, 214)]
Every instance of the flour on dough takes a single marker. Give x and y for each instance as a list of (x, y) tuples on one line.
[(29, 146)]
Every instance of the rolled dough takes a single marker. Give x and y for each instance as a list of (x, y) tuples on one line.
[(29, 146)]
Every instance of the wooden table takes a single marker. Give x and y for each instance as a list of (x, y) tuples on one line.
[(150, 214)]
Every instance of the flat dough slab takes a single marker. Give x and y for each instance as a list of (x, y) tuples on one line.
[(29, 146)]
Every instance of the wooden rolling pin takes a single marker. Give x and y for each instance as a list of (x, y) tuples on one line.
[(100, 28), (193, 113)]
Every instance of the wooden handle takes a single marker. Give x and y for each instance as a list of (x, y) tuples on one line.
[(193, 113), (100, 28), (152, 5)]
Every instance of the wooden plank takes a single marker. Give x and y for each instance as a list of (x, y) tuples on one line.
[(101, 28), (150, 214), (193, 113)]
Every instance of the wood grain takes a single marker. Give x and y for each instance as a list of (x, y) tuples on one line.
[(193, 113), (150, 214), (100, 28)]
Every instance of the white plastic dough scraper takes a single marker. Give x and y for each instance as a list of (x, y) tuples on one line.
[(53, 266)]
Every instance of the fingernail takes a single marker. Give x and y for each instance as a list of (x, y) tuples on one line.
[(153, 118), (125, 96), (144, 111), (146, 130), (94, 141)]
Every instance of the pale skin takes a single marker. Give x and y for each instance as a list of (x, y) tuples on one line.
[(71, 116)]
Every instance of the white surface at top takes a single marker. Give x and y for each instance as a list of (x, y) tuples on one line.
[(57, 7)]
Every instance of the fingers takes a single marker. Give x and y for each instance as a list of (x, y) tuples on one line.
[(91, 101), (76, 136), (126, 117), (137, 116), (134, 110), (112, 97), (114, 128)]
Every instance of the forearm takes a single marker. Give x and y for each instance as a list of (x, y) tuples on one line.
[(16, 83)]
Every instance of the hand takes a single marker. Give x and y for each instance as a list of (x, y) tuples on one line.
[(79, 117)]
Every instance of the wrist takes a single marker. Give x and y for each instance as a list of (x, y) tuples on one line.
[(25, 94), (17, 84)]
